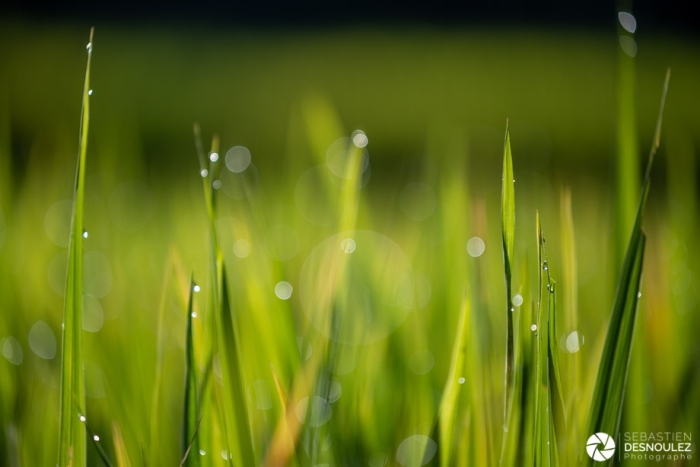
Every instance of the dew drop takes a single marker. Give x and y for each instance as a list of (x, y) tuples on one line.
[(216, 184), (204, 172), (475, 247), (196, 288), (82, 417), (96, 438), (202, 452), (533, 327), (194, 314), (85, 234), (214, 157), (639, 294), (283, 290), (90, 92), (89, 47), (461, 380), (348, 245), (517, 300), (627, 21), (359, 139)]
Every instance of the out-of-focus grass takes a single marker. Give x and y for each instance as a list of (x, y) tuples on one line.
[(430, 197)]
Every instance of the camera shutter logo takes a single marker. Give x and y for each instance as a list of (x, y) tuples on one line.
[(600, 447)]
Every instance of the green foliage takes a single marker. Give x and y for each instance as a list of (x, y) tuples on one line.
[(72, 430), (606, 406), (508, 236), (251, 358)]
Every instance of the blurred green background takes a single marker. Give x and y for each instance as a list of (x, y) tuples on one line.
[(433, 103)]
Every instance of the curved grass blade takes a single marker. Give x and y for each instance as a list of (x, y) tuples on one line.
[(191, 410), (72, 444), (508, 236), (605, 410)]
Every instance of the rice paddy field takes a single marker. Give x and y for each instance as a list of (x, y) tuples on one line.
[(347, 247)]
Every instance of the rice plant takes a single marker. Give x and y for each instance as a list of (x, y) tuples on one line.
[(327, 309)]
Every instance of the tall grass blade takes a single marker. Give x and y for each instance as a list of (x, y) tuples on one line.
[(448, 410), (605, 410), (508, 236), (72, 447), (236, 418), (570, 288), (191, 408)]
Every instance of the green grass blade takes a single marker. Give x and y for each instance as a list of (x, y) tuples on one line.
[(508, 236), (605, 410), (450, 397), (237, 424), (191, 408), (72, 445), (236, 418)]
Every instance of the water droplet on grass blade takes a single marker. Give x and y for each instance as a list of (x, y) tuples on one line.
[(96, 438), (533, 327), (214, 157), (196, 288), (517, 300), (573, 342), (81, 417), (348, 245), (475, 247), (627, 21), (90, 92), (204, 173), (283, 290), (216, 184), (202, 452), (461, 380), (359, 138)]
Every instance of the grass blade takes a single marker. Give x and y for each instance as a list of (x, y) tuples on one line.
[(236, 418), (191, 409), (508, 236), (72, 446), (605, 410), (448, 410)]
